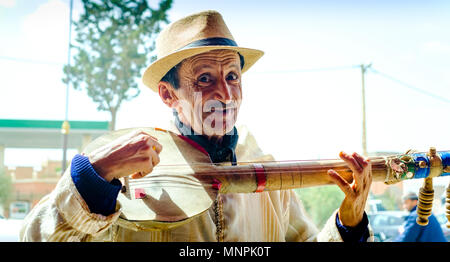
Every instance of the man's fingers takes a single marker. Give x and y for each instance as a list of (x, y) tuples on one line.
[(351, 162), (154, 145), (137, 175), (154, 137), (134, 133), (143, 136), (148, 156), (361, 178), (342, 183), (360, 159), (355, 167), (154, 157), (145, 171)]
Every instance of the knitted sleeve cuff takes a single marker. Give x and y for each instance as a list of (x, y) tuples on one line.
[(99, 194), (359, 233)]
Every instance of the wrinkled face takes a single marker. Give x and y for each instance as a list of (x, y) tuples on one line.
[(209, 94)]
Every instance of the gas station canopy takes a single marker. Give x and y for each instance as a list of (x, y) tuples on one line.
[(21, 133)]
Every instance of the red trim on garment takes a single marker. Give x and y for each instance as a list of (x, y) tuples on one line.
[(216, 184), (261, 177), (194, 144), (160, 129), (139, 193)]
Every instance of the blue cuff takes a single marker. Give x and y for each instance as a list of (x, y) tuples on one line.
[(99, 194), (359, 233)]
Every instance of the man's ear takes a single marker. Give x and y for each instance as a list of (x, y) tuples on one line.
[(167, 94)]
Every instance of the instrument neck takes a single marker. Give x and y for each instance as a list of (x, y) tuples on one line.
[(272, 175)]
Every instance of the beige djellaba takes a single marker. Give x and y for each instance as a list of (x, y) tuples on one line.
[(274, 216)]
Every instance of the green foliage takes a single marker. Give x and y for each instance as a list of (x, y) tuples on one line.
[(391, 198), (320, 202), (5, 187), (114, 42)]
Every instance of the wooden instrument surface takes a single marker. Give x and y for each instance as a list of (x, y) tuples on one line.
[(172, 191)]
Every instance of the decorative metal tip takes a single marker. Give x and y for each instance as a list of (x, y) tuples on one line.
[(432, 151), (422, 164), (409, 175)]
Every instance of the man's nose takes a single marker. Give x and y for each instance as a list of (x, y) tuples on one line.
[(223, 93)]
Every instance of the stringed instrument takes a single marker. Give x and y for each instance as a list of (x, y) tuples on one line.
[(185, 182)]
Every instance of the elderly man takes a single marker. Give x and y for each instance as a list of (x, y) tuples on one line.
[(198, 74)]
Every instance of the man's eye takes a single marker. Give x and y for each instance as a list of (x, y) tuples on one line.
[(205, 78), (232, 76)]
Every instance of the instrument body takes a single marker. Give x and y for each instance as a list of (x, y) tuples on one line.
[(185, 182)]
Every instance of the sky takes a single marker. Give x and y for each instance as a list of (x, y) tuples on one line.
[(302, 100)]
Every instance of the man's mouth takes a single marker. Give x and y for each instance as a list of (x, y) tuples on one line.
[(222, 109)]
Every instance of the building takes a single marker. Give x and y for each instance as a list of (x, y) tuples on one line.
[(29, 185)]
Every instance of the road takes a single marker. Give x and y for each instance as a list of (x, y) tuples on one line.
[(9, 230)]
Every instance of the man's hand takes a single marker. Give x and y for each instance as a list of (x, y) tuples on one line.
[(133, 154), (351, 210)]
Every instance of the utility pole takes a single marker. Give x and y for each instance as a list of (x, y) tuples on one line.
[(65, 126), (364, 137)]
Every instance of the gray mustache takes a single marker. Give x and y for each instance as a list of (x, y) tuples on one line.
[(218, 106)]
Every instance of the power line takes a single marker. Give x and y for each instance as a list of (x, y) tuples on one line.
[(358, 66), (308, 70), (24, 60), (410, 86)]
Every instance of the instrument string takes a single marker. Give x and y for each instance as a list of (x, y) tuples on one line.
[(311, 161), (243, 168), (244, 171), (243, 163)]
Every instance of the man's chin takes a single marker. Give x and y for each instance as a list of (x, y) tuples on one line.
[(217, 133), (226, 128), (218, 126)]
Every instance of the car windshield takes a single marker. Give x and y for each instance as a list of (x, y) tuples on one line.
[(387, 220)]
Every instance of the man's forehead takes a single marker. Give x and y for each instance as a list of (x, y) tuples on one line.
[(223, 57)]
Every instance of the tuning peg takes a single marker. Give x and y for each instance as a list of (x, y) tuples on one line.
[(425, 205), (426, 193), (447, 206)]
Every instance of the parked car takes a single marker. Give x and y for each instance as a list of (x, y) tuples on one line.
[(386, 225), (375, 205), (19, 209), (442, 219)]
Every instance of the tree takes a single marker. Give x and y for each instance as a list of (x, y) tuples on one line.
[(114, 41), (320, 202), (391, 199), (5, 188)]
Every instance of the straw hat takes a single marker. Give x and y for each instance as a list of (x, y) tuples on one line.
[(192, 35)]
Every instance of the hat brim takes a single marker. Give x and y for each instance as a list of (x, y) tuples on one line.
[(158, 69)]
